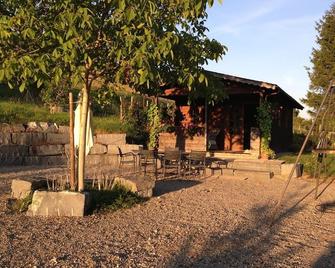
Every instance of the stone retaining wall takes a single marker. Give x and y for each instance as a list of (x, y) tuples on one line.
[(48, 144)]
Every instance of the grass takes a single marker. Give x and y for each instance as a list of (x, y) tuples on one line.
[(16, 112), (309, 162)]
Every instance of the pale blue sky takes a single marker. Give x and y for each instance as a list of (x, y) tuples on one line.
[(267, 40)]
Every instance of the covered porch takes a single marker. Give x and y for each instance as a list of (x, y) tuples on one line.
[(230, 125)]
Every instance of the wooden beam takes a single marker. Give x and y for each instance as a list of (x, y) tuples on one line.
[(324, 151)]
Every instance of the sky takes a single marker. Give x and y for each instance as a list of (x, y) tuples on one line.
[(267, 40)]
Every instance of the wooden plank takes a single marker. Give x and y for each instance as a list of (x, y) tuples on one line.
[(324, 151)]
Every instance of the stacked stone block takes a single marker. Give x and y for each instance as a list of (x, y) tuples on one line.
[(48, 145)]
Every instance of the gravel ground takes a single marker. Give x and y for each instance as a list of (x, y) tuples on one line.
[(213, 222)]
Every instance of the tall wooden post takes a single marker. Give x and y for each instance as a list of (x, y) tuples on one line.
[(206, 124), (82, 138), (72, 155)]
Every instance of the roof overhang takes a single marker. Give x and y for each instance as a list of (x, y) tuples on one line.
[(269, 88)]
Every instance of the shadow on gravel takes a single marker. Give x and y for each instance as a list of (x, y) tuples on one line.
[(167, 186), (328, 259), (252, 242)]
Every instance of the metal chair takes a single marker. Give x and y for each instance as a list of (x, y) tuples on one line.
[(127, 158), (172, 159), (148, 158), (196, 160)]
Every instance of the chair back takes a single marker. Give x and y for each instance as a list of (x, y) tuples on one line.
[(148, 154), (172, 155), (120, 151), (197, 155)]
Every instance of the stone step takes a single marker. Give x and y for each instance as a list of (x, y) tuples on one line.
[(273, 166), (225, 155)]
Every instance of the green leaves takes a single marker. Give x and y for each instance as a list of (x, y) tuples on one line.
[(142, 43), (323, 61)]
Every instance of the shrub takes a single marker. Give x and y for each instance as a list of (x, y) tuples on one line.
[(117, 198), (135, 126), (20, 205)]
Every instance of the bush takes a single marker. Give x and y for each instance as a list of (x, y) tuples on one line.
[(105, 102), (20, 205), (298, 140), (135, 126), (117, 198)]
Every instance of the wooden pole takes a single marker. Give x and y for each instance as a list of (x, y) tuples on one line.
[(206, 124), (72, 155), (331, 85), (82, 138)]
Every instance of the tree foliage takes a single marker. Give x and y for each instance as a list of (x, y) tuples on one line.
[(264, 119), (322, 59), (141, 43)]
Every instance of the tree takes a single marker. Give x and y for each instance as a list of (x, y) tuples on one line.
[(323, 60), (143, 43)]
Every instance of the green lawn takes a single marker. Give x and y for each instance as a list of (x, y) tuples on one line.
[(15, 112), (309, 161)]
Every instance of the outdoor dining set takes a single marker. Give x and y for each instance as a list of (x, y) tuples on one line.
[(171, 161), (167, 164)]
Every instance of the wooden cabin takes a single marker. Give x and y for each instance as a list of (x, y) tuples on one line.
[(230, 124)]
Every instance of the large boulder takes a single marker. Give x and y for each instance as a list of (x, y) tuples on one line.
[(98, 149), (143, 185), (71, 204), (30, 138), (287, 168), (5, 138), (113, 138), (58, 138), (22, 188), (47, 150)]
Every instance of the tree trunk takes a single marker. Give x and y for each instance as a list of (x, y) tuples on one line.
[(82, 139)]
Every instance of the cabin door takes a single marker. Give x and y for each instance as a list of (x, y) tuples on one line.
[(233, 127)]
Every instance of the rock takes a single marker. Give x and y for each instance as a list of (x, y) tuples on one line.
[(111, 161), (20, 150), (59, 204), (18, 128), (140, 184), (4, 127), (98, 149), (108, 139), (5, 138), (64, 129), (22, 188), (33, 127), (35, 161), (50, 160), (31, 138), (113, 149), (46, 150), (58, 138), (9, 128), (56, 160), (11, 159), (49, 127), (125, 148), (286, 170)]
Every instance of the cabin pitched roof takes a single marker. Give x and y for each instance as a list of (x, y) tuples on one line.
[(260, 84)]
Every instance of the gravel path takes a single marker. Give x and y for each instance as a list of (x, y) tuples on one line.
[(215, 222)]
